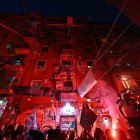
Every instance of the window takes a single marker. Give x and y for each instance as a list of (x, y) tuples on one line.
[(44, 49), (66, 46), (41, 64), (35, 87), (68, 84), (128, 82), (87, 50), (66, 63), (35, 84)]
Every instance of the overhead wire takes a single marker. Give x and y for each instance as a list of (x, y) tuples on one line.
[(118, 61), (28, 22), (114, 42), (111, 30), (10, 29)]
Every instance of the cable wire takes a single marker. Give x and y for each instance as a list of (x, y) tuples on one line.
[(111, 29), (119, 60), (114, 42), (28, 22), (10, 29)]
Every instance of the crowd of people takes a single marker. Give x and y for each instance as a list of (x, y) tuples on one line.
[(18, 132), (127, 107)]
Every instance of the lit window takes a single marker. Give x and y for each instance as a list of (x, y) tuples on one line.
[(133, 83), (128, 81), (126, 84), (41, 64)]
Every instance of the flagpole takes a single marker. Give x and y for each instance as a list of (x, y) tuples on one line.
[(42, 120), (35, 122)]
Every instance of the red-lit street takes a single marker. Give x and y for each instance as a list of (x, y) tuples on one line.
[(69, 78)]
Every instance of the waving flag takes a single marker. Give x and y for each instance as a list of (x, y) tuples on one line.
[(31, 122), (88, 82), (88, 117)]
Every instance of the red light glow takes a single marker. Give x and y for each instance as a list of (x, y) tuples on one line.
[(113, 133), (123, 78)]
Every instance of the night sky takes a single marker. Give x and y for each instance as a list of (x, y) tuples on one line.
[(98, 9)]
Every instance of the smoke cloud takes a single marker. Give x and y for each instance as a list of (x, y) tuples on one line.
[(107, 96)]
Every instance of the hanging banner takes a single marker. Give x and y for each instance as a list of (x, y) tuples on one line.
[(48, 119), (88, 117), (88, 82)]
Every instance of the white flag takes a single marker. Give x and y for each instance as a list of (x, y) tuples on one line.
[(35, 126), (32, 120), (88, 82)]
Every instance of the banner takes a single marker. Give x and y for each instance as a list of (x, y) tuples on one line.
[(48, 119), (88, 117), (88, 82)]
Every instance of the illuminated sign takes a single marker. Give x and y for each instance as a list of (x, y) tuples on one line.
[(68, 109)]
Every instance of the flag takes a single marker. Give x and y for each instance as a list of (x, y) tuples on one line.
[(88, 117), (46, 118), (35, 125), (88, 82), (31, 122)]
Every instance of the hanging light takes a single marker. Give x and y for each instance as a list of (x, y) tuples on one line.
[(88, 99), (1, 101)]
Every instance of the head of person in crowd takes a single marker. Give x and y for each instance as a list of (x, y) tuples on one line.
[(2, 127), (20, 129), (72, 135), (51, 134), (40, 136), (33, 134), (57, 133), (99, 134), (126, 96)]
